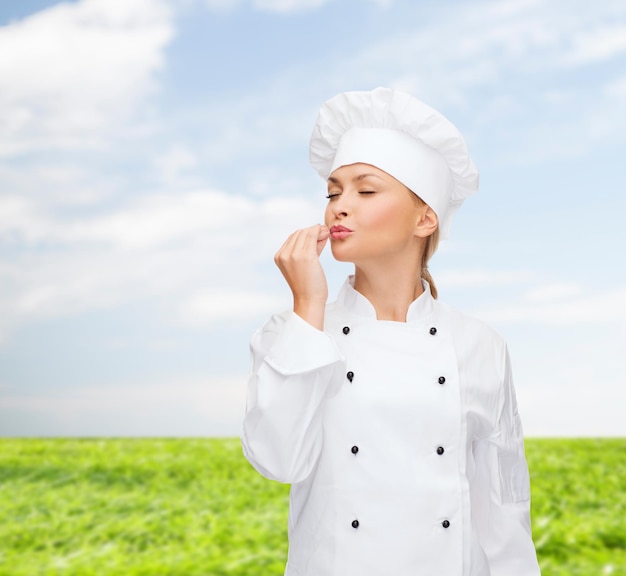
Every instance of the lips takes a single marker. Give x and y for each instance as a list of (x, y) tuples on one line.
[(339, 232)]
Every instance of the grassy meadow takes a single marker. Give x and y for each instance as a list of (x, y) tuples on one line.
[(194, 507)]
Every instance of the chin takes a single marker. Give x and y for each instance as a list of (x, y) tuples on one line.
[(340, 255)]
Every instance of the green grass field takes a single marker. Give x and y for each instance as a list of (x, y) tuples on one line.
[(135, 507)]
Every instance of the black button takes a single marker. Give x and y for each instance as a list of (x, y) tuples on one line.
[(354, 449), (441, 380), (346, 329), (355, 523), (350, 376), (440, 450), (433, 330), (445, 524)]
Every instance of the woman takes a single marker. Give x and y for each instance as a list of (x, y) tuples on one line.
[(392, 415)]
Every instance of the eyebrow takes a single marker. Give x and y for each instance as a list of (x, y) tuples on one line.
[(357, 178)]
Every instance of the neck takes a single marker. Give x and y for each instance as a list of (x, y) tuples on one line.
[(390, 290)]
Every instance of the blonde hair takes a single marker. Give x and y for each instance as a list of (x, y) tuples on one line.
[(430, 247)]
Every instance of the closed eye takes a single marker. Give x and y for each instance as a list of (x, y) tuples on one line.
[(367, 191), (331, 196)]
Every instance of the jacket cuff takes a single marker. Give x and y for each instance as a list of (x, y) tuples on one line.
[(301, 348)]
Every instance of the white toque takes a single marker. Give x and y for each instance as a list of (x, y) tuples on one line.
[(402, 136)]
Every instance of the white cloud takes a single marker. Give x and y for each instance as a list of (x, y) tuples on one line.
[(205, 217), (188, 251), (475, 61), (20, 220), (564, 306), (175, 166), (467, 278), (481, 58), (73, 72), (601, 43), (222, 5), (606, 118), (208, 307), (79, 74), (287, 5), (570, 382), (181, 407), (161, 219), (553, 292), (280, 6), (616, 89), (585, 408)]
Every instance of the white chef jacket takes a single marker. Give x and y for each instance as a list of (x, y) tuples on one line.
[(402, 442)]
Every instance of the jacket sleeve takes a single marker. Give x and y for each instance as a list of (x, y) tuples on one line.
[(501, 502), (291, 375)]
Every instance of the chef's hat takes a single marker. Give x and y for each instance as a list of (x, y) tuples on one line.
[(402, 136)]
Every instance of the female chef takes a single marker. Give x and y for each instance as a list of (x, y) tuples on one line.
[(392, 415)]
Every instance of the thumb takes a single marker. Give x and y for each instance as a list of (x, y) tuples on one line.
[(322, 238)]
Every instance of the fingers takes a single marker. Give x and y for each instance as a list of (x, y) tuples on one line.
[(298, 261), (303, 243), (305, 240)]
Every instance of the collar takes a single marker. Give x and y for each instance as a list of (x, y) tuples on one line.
[(358, 304)]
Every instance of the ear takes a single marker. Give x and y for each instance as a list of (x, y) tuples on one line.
[(427, 222)]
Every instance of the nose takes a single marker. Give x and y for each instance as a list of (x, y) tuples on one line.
[(340, 207)]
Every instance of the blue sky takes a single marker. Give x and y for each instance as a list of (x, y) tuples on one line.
[(154, 155)]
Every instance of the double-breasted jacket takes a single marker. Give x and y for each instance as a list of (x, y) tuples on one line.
[(401, 441)]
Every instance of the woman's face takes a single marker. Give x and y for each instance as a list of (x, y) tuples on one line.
[(371, 215)]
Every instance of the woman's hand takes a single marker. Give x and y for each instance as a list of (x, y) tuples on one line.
[(299, 261)]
